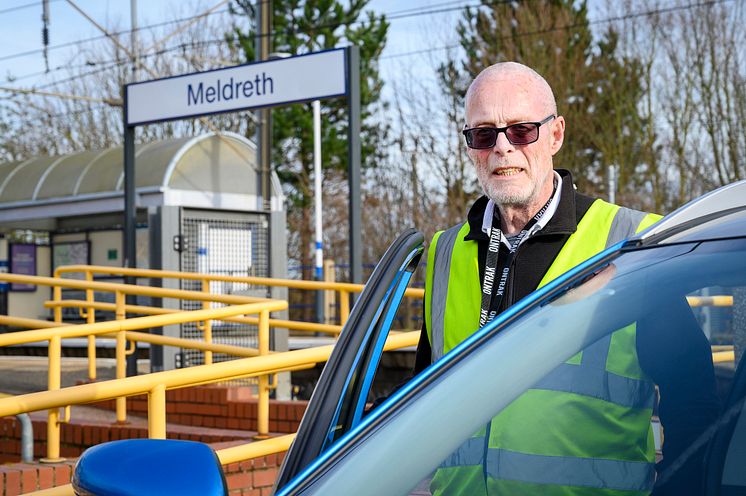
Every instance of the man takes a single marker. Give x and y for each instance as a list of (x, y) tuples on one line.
[(530, 227)]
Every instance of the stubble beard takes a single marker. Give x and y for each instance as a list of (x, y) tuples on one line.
[(509, 197)]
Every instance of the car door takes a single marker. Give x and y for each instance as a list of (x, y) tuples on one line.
[(398, 446), (338, 401)]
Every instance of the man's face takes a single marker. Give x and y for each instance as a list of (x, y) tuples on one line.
[(513, 175)]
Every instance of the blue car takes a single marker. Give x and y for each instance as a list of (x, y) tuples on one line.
[(695, 254)]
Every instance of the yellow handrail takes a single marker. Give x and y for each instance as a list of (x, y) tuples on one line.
[(131, 289), (258, 281), (147, 310), (344, 288), (155, 384), (171, 379), (710, 301), (119, 327)]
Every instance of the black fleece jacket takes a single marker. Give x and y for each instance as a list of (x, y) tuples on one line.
[(676, 356)]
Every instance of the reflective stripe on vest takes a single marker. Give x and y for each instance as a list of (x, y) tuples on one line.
[(591, 378), (601, 473), (441, 265)]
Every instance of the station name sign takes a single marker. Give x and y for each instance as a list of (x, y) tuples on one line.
[(262, 84)]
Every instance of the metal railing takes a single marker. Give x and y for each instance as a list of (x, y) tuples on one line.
[(88, 309), (344, 289), (119, 328), (155, 385)]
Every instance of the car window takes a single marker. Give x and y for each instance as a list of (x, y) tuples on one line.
[(591, 425)]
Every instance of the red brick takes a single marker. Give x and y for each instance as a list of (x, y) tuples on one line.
[(29, 479), (251, 492), (238, 480), (220, 422), (263, 478), (232, 467), (88, 435), (46, 477), (213, 410), (12, 483), (209, 422), (77, 434), (62, 474)]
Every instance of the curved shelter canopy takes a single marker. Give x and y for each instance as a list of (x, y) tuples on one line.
[(207, 171)]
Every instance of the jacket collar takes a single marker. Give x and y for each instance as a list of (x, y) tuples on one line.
[(564, 220)]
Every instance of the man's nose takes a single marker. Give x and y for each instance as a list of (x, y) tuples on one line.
[(502, 145)]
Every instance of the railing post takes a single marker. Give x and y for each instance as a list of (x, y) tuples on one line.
[(344, 306), (262, 407), (53, 415), (157, 412), (207, 327), (90, 318), (121, 357), (57, 297)]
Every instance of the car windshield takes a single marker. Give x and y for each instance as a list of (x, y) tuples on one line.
[(629, 382)]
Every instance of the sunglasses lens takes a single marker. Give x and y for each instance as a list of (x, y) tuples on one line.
[(481, 137), (522, 134)]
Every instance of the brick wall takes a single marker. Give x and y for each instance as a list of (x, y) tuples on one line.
[(75, 437), (222, 407), (20, 478), (251, 477), (188, 409)]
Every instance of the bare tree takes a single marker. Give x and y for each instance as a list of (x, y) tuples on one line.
[(45, 125)]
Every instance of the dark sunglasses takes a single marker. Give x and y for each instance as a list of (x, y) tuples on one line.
[(522, 133)]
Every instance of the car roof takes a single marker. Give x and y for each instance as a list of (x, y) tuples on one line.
[(716, 215)]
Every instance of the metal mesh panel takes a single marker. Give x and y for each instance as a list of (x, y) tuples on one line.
[(223, 243)]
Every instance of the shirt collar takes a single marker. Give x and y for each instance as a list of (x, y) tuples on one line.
[(563, 220), (543, 220)]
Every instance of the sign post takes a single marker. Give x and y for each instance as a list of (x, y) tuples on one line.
[(313, 76)]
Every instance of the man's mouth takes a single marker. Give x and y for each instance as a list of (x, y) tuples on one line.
[(507, 171)]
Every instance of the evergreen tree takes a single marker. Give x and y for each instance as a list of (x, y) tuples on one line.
[(596, 91), (303, 26)]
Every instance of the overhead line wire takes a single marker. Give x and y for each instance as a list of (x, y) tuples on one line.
[(426, 50), (568, 27), (185, 19), (25, 6)]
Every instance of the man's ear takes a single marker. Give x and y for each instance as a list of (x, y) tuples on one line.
[(557, 134)]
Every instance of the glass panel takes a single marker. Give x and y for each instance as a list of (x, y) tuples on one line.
[(585, 428)]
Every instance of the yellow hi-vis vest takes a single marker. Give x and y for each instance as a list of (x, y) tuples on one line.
[(585, 428)]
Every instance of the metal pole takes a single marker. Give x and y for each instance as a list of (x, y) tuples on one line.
[(319, 272), (263, 49), (353, 130), (130, 216), (133, 39), (27, 438), (612, 184), (131, 360)]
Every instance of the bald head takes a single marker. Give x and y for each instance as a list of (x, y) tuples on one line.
[(522, 76)]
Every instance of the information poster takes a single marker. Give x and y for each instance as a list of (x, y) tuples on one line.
[(71, 253), (22, 262)]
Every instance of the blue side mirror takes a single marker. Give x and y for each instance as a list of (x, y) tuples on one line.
[(139, 467)]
